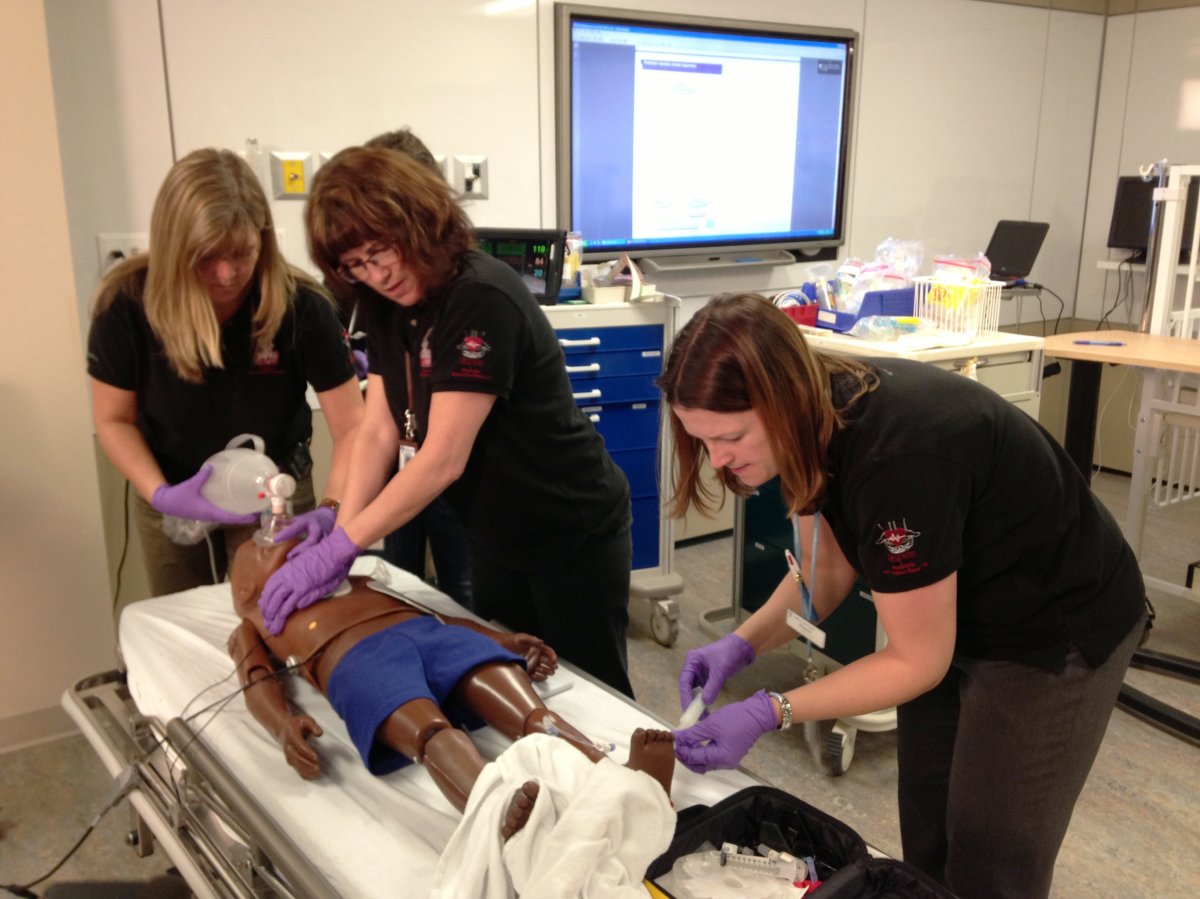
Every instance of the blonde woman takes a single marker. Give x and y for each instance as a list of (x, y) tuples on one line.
[(209, 335)]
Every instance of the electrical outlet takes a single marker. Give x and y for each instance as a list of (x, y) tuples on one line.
[(470, 176), (112, 248), (290, 174)]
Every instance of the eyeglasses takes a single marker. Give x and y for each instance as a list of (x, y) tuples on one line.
[(379, 258)]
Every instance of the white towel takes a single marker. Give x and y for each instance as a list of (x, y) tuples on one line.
[(593, 831)]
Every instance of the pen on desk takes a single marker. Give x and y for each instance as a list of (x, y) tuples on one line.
[(1100, 342)]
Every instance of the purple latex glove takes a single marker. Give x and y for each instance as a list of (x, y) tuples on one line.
[(184, 500), (315, 525), (710, 666), (723, 738), (306, 578), (360, 364)]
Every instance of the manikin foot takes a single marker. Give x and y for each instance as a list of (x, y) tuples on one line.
[(653, 751), (650, 751), (519, 809)]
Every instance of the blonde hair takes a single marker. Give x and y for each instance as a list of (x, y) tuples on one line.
[(209, 204), (740, 353)]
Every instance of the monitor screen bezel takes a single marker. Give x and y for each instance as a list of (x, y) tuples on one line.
[(566, 14), (1133, 189)]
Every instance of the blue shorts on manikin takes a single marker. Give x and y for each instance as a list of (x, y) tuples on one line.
[(417, 659)]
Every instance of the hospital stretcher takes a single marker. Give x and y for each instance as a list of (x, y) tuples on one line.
[(211, 788)]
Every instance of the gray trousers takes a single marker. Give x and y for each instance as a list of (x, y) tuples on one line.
[(171, 568), (991, 763)]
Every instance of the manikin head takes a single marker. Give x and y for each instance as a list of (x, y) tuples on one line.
[(252, 565)]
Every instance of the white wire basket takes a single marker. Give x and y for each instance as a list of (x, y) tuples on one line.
[(960, 311)]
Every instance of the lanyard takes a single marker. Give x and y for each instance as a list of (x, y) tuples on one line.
[(805, 593), (805, 624), (410, 414)]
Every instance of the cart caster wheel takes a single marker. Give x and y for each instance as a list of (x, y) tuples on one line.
[(664, 628), (839, 751)]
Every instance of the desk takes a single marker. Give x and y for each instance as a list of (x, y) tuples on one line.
[(1145, 351), (1156, 356), (1010, 364)]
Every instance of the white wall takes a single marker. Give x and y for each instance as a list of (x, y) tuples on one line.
[(1151, 62), (967, 112), (57, 625)]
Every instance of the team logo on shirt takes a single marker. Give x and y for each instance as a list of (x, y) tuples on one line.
[(901, 558), (473, 346), (897, 540), (266, 358)]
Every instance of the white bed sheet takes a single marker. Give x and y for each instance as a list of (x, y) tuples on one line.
[(368, 835)]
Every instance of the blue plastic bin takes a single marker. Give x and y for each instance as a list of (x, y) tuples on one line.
[(877, 302)]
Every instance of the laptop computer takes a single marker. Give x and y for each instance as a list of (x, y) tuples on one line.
[(1014, 249)]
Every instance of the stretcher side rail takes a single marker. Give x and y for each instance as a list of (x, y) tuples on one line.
[(209, 825)]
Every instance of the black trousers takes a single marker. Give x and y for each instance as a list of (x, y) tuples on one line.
[(580, 608), (991, 763)]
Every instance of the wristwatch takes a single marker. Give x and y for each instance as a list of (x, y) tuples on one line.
[(785, 709)]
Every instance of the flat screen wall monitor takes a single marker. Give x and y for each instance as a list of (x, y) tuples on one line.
[(710, 139), (1130, 225), (533, 253)]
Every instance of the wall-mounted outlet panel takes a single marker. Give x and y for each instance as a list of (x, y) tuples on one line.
[(469, 176), (291, 174), (112, 248)]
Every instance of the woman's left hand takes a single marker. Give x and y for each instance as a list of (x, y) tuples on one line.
[(723, 738), (306, 578), (315, 525)]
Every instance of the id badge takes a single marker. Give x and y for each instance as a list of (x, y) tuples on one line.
[(407, 451), (806, 628)]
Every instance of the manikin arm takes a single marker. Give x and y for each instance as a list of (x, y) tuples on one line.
[(267, 703)]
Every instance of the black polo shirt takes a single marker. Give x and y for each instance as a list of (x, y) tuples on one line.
[(936, 474), (538, 480), (255, 393)]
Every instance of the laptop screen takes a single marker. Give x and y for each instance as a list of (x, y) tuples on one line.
[(1014, 248)]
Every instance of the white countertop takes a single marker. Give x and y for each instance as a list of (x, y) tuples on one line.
[(988, 343)]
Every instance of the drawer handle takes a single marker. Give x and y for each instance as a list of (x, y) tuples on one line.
[(587, 341), (590, 395), (579, 369)]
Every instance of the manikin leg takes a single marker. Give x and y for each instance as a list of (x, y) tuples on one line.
[(419, 730), (501, 694)]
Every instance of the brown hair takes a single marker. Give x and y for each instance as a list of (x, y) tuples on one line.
[(404, 141), (740, 353), (372, 194), (210, 203)]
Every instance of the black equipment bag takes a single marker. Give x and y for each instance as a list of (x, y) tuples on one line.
[(881, 878), (768, 816)]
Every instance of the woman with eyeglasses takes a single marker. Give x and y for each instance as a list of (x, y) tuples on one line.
[(209, 335), (468, 390)]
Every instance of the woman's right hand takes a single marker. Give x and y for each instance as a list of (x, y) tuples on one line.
[(305, 579), (184, 500), (709, 666)]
